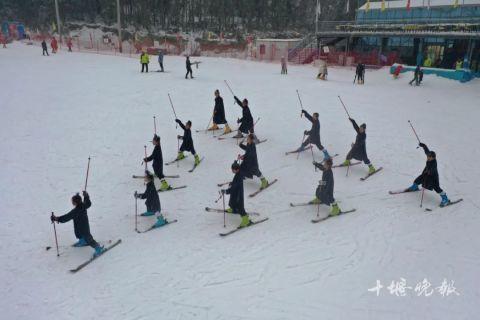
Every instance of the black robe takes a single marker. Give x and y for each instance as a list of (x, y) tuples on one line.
[(235, 191), (429, 178), (246, 120), (219, 111), (157, 158), (359, 149), (324, 190), (314, 133), (187, 144), (249, 166), (153, 200), (79, 215)]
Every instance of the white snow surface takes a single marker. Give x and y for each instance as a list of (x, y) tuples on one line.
[(58, 110)]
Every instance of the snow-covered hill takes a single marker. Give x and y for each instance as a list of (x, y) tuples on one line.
[(58, 110)]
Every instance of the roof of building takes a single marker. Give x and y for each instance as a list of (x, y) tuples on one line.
[(402, 4)]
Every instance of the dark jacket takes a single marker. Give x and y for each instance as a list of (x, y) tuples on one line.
[(188, 64), (324, 190), (314, 132), (153, 200), (79, 216), (160, 57), (430, 172), (44, 45), (236, 194), (249, 166), (360, 69), (157, 158), (219, 111), (187, 144), (359, 149), (246, 120)]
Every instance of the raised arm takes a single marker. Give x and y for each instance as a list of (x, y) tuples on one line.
[(238, 101), (242, 146), (67, 217), (180, 124), (355, 125), (307, 115), (86, 200), (425, 148)]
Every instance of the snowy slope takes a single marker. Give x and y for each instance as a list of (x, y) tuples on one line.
[(58, 110)]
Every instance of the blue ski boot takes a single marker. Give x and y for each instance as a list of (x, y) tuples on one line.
[(445, 199), (147, 214), (326, 156), (413, 187), (98, 251), (160, 222), (80, 243)]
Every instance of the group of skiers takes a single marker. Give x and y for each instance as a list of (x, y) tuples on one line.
[(248, 167)]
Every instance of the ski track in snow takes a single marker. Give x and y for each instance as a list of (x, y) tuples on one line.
[(58, 110)]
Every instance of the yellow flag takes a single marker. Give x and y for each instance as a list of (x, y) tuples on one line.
[(368, 6), (54, 26), (383, 5), (455, 4)]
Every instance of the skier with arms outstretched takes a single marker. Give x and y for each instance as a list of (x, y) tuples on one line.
[(249, 166), (157, 165), (313, 134), (81, 225), (236, 201), (152, 201), (359, 148), (429, 179), (187, 144)]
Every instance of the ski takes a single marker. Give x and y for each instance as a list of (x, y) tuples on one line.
[(83, 265), (301, 204), (317, 220), (173, 161), (223, 184), (260, 190), (171, 177), (224, 234), (153, 227), (171, 189), (222, 211), (208, 130), (221, 135), (448, 204), (297, 151), (371, 174), (401, 191), (196, 165), (342, 165)]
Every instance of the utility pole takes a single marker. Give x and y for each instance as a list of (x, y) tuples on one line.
[(119, 24), (59, 26)]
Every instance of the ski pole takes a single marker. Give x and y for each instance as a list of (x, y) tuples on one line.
[(155, 124), (423, 191), (303, 140), (206, 129), (145, 147), (301, 104), (228, 86), (313, 159), (174, 113), (348, 169), (318, 210), (355, 78), (224, 212), (344, 107), (86, 178), (56, 240), (414, 132), (136, 211), (178, 150)]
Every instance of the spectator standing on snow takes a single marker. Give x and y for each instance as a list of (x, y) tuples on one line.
[(54, 45), (188, 64), (144, 60), (44, 48), (284, 65), (160, 60)]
